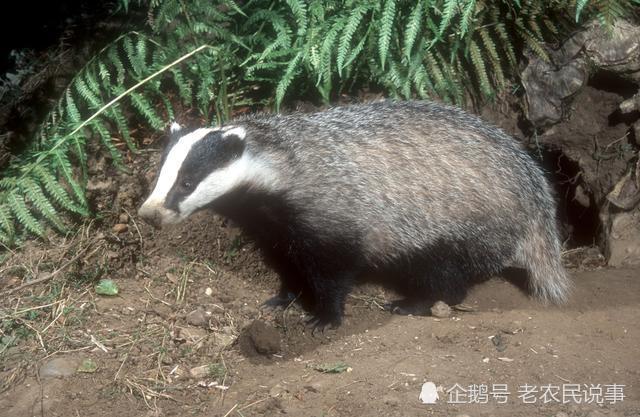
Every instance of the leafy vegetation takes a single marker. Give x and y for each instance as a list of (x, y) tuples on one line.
[(218, 55)]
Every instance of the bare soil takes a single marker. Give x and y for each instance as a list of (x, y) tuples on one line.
[(186, 336)]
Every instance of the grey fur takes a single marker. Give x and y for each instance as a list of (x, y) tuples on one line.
[(401, 177)]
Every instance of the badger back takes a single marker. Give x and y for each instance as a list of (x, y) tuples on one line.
[(402, 174)]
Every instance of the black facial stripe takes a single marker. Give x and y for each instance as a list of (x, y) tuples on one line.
[(171, 139), (211, 153)]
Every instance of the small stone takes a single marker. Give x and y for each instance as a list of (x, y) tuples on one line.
[(208, 291), (120, 228), (58, 368), (198, 318), (223, 340), (441, 310), (200, 372), (277, 391), (265, 337), (124, 218)]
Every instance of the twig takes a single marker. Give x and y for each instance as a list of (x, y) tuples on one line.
[(230, 411), (53, 274)]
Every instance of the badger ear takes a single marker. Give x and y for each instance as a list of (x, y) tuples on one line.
[(235, 131), (175, 127)]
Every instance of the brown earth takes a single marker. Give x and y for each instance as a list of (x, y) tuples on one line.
[(184, 334)]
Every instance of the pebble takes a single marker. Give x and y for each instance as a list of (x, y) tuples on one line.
[(198, 318), (120, 228), (58, 368), (124, 218), (441, 310)]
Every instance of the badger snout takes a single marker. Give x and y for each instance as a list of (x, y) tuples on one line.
[(154, 213)]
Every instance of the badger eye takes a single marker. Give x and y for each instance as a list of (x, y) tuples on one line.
[(186, 185)]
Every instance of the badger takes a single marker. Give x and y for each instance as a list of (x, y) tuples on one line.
[(420, 196)]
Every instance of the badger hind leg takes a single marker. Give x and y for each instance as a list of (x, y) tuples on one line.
[(539, 252)]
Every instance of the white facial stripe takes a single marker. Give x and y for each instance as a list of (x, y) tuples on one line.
[(244, 170), (237, 131), (175, 127), (173, 162)]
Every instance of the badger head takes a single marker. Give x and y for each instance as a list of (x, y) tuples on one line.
[(198, 167)]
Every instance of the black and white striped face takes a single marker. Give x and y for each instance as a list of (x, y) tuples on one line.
[(198, 167)]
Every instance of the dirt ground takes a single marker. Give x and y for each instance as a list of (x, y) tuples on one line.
[(186, 336)]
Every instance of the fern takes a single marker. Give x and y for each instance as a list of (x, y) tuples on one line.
[(453, 49)]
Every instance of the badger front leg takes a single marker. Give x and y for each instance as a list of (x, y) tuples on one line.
[(329, 293)]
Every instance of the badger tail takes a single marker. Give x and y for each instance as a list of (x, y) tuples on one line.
[(540, 253)]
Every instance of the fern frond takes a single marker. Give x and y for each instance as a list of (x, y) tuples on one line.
[(481, 70), (299, 9), (386, 26), (22, 213), (413, 28), (450, 9), (467, 15), (353, 22), (38, 199), (6, 222), (287, 78), (57, 192)]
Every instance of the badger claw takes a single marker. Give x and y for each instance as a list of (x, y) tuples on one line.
[(321, 324)]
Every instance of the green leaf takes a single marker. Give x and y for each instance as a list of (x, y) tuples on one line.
[(107, 287)]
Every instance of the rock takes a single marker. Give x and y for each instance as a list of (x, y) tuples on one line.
[(120, 228), (265, 337), (547, 87), (626, 193), (222, 340), (441, 310), (124, 218), (198, 318), (58, 367), (623, 241)]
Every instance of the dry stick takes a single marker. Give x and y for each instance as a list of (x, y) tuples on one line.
[(53, 274), (229, 412)]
